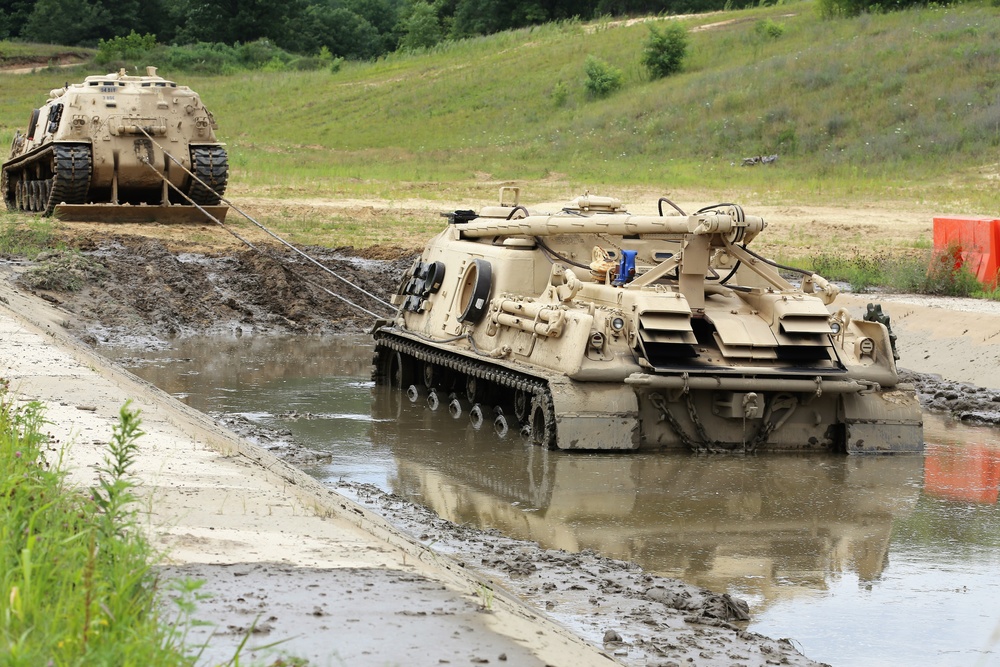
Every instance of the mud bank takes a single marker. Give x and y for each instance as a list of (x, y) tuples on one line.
[(131, 290)]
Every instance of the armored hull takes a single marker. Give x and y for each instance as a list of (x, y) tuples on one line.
[(117, 147), (591, 328)]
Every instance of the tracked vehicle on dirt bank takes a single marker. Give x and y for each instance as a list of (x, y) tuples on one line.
[(595, 329), (117, 147)]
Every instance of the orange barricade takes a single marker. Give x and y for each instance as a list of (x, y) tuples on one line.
[(970, 474), (970, 242)]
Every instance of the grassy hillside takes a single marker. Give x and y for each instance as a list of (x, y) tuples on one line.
[(899, 106)]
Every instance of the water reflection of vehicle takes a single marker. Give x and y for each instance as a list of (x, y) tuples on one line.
[(718, 522)]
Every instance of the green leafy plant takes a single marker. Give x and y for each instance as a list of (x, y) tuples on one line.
[(768, 29), (130, 47), (664, 50), (602, 77), (559, 94), (77, 586)]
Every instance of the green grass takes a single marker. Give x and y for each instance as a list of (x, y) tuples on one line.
[(77, 583), (22, 236), (925, 272), (895, 106), (898, 108)]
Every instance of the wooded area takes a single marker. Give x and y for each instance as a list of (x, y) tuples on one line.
[(353, 29)]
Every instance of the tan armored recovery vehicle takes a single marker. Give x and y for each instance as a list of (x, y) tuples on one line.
[(110, 148), (591, 328)]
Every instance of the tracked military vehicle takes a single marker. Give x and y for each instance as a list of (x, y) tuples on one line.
[(118, 148), (591, 328)]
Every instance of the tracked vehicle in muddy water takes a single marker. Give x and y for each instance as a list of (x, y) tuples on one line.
[(118, 148), (591, 328)]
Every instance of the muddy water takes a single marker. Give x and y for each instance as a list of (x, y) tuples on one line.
[(863, 561)]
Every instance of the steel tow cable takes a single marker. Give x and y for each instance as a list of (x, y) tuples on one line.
[(254, 247), (265, 230)]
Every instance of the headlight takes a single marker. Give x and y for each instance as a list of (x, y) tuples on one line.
[(617, 324), (835, 327), (866, 347)]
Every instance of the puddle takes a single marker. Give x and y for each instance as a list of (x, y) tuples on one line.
[(863, 561)]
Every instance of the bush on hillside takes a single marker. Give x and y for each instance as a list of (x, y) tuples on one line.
[(834, 8), (602, 78), (217, 58), (131, 48), (664, 50), (766, 29)]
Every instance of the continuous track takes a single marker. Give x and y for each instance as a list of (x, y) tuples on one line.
[(60, 174), (530, 396), (211, 165)]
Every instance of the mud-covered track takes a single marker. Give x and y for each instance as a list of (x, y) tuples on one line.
[(210, 165), (60, 174), (528, 396)]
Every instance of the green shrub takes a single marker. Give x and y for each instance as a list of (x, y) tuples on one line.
[(766, 29), (664, 50), (936, 273), (130, 48), (559, 94), (602, 78)]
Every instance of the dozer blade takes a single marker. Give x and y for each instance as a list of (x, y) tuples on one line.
[(140, 213)]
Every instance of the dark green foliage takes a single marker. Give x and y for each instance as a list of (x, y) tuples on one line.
[(340, 30), (130, 48), (85, 22), (832, 8), (232, 21), (602, 78), (356, 29), (421, 28), (664, 50)]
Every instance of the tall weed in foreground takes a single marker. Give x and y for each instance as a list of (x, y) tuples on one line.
[(76, 586)]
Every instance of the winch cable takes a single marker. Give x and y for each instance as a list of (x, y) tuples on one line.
[(267, 231), (278, 260), (258, 224)]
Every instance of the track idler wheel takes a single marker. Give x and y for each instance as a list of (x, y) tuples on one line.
[(543, 422), (399, 370)]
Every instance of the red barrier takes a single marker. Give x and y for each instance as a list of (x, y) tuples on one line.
[(970, 242), (970, 474)]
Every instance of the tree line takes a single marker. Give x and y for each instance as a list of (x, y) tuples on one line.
[(352, 29)]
